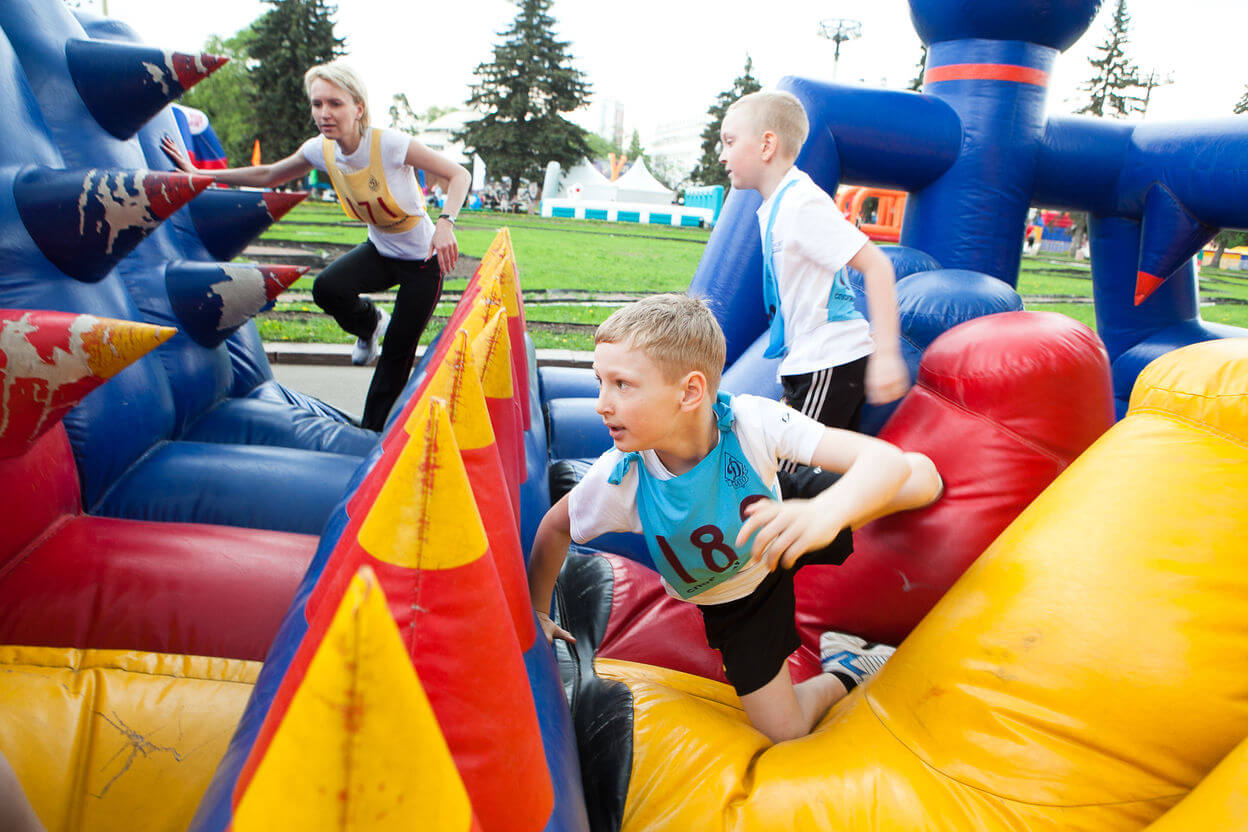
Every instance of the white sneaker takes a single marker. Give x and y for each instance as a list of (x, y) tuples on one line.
[(847, 655), (365, 352)]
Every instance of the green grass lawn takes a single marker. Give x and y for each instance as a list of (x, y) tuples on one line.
[(552, 253), (564, 254), (321, 329)]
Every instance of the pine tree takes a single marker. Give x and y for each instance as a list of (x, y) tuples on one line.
[(522, 93), (709, 171), (1110, 88), (289, 38), (635, 150), (1241, 106)]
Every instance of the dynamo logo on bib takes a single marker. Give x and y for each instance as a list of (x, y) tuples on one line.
[(735, 473)]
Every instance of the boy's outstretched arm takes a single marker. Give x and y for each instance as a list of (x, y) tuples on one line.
[(888, 378), (550, 549), (877, 479)]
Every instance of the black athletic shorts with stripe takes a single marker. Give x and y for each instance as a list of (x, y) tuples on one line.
[(833, 397)]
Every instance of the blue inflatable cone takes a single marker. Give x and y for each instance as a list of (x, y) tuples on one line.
[(85, 221), (1169, 238), (212, 300), (228, 220), (124, 85)]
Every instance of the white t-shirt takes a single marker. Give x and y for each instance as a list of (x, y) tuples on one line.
[(811, 240), (400, 178), (767, 430)]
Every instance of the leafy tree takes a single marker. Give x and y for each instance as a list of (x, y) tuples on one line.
[(600, 148), (523, 93), (1078, 233), (668, 172), (1150, 82), (1110, 87), (916, 83), (289, 38), (635, 150), (1241, 106), (432, 114), (1227, 238), (709, 171), (226, 95), (402, 116)]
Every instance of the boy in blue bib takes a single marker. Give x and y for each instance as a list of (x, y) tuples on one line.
[(694, 471)]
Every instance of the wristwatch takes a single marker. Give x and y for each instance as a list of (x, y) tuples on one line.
[(448, 218)]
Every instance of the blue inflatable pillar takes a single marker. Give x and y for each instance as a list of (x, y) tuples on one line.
[(974, 215)]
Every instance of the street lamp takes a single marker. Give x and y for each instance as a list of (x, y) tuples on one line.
[(838, 30)]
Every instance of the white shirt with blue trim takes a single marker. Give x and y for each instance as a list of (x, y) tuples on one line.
[(811, 240)]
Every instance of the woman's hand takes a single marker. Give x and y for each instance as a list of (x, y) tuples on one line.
[(176, 155), (445, 246)]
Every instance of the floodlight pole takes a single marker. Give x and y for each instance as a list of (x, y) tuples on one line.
[(838, 30)]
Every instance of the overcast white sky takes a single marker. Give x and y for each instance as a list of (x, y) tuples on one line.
[(667, 59)]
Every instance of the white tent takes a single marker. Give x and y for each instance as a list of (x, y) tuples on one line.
[(639, 185), (585, 182)]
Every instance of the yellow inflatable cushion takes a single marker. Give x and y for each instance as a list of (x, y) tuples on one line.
[(114, 739)]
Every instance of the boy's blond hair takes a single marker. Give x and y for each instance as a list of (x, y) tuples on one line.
[(677, 332), (344, 77), (777, 111)]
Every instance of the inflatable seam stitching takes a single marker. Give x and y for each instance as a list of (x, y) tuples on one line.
[(1013, 800), (80, 669), (1239, 441), (43, 537), (1043, 451), (143, 457)]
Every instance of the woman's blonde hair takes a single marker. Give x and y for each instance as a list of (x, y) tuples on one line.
[(677, 332), (345, 78)]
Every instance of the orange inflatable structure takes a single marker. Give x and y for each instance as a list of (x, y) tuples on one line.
[(876, 211)]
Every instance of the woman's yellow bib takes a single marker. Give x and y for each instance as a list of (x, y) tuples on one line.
[(364, 195)]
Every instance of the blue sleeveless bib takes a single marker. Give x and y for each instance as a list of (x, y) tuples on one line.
[(840, 298), (690, 522)]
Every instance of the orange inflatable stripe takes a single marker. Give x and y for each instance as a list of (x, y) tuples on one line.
[(986, 72)]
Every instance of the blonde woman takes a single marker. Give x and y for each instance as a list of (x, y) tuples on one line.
[(373, 171)]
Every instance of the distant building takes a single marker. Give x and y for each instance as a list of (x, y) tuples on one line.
[(439, 136), (611, 121), (676, 146)]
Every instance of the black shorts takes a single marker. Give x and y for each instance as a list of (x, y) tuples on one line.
[(756, 634), (833, 396)]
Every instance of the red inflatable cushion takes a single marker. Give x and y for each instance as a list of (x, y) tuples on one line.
[(107, 583), (1002, 405)]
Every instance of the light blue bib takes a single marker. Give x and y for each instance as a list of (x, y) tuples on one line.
[(690, 522), (840, 298)]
